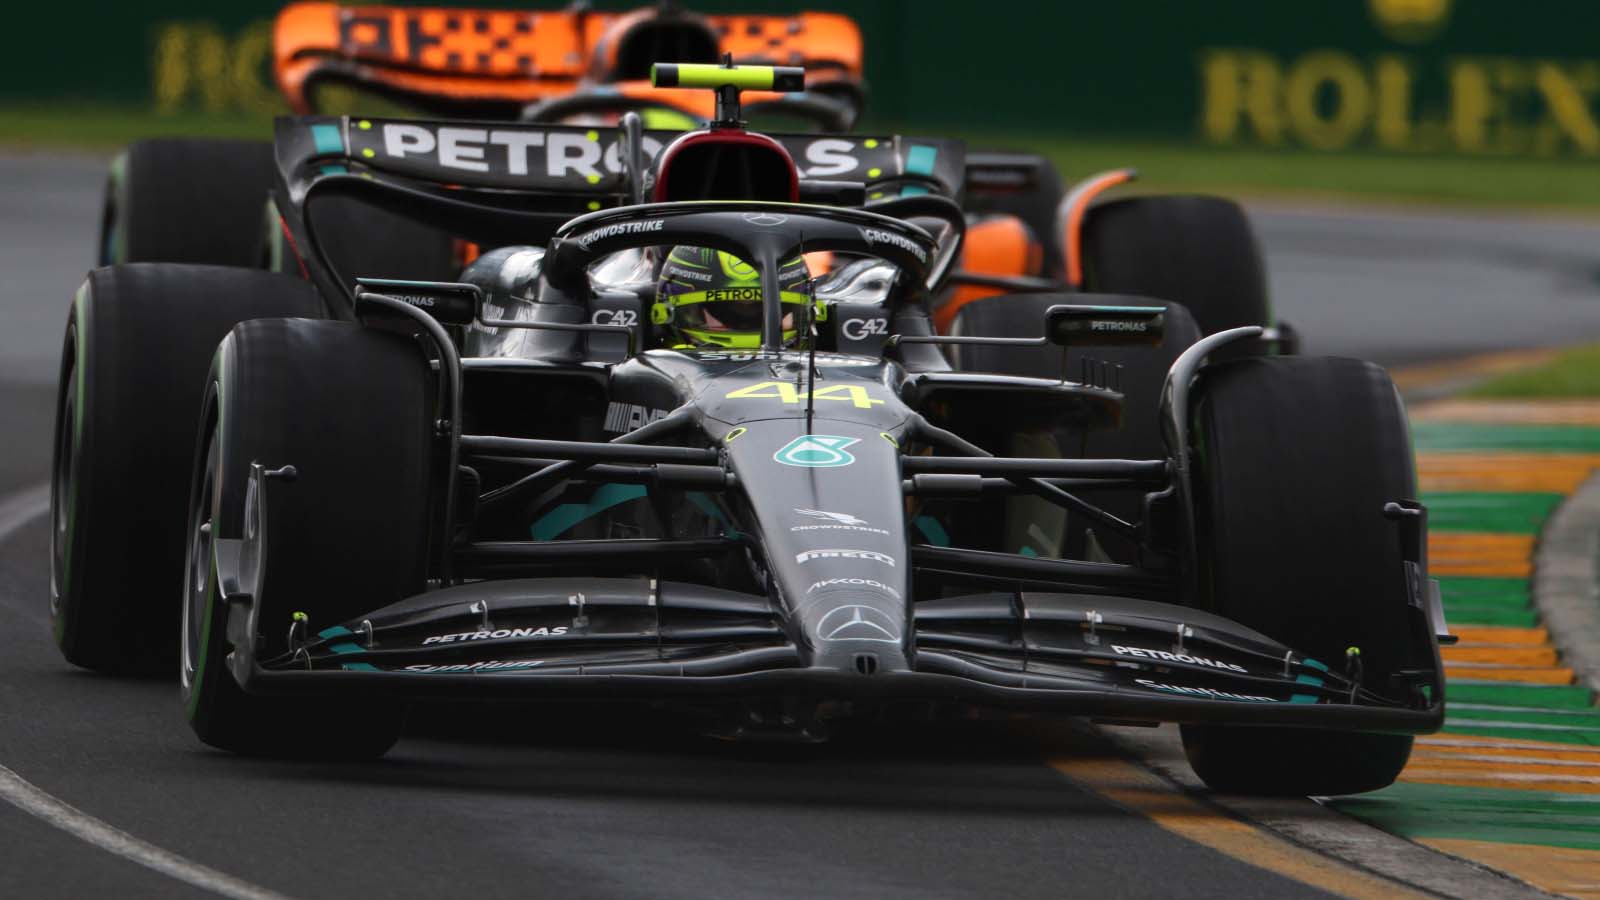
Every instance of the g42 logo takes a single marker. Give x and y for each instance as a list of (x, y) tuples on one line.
[(626, 317), (788, 393), (861, 329)]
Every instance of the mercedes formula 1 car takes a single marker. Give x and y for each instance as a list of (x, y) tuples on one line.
[(525, 484)]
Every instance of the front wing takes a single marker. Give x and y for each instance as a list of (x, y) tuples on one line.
[(635, 638)]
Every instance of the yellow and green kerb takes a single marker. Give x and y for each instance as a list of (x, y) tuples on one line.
[(1513, 780)]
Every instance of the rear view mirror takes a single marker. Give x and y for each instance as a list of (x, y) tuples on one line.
[(451, 303), (1104, 326)]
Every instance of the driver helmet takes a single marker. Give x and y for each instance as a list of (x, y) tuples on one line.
[(710, 298)]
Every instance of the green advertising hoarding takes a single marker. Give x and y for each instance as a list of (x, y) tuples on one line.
[(1408, 76)]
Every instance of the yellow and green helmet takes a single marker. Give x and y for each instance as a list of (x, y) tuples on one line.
[(711, 298)]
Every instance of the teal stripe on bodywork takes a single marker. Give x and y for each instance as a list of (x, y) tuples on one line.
[(346, 647), (919, 159), (913, 190), (1307, 679), (932, 530), (358, 667), (563, 517), (335, 170), (335, 631), (704, 504), (327, 138)]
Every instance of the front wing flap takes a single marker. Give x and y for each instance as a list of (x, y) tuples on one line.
[(635, 638)]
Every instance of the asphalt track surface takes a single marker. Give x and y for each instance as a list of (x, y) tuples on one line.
[(491, 802)]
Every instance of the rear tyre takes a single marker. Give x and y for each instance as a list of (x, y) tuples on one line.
[(349, 409), (188, 200), (1295, 458), (139, 338), (1198, 251)]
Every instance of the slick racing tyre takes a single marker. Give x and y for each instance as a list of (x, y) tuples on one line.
[(1294, 460), (1138, 372), (139, 338), (1198, 251), (189, 200), (348, 408)]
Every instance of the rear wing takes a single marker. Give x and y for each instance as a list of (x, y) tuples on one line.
[(576, 161), (499, 183), (492, 63)]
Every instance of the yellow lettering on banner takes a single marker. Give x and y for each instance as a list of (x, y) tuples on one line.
[(1351, 100), (1483, 97), (1471, 105), (251, 57), (1395, 78), (1241, 87), (196, 65), (1331, 100), (1567, 96), (787, 392), (190, 58)]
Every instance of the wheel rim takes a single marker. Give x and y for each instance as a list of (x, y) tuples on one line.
[(63, 469), (197, 563)]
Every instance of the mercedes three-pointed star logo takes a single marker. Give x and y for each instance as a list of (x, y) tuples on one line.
[(854, 622), (766, 220)]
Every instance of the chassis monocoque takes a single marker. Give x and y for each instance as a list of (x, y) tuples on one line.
[(407, 491)]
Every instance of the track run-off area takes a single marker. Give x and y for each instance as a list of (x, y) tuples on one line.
[(108, 793)]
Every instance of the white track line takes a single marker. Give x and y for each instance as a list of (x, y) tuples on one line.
[(68, 818), (16, 511)]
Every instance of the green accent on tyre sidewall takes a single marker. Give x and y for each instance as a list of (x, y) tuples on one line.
[(80, 345), (274, 232), (198, 682), (117, 246)]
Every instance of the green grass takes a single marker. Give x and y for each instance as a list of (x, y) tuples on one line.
[(1575, 373), (1557, 184), (105, 128)]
